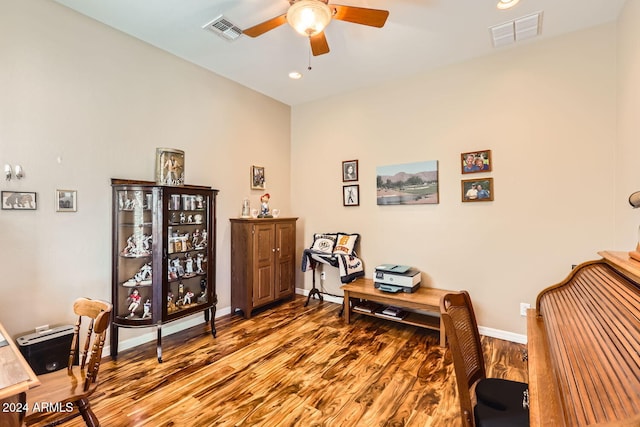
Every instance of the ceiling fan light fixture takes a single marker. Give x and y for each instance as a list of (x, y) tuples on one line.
[(506, 4), (309, 17)]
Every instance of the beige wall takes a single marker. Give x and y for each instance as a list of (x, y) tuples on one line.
[(102, 102), (548, 113), (628, 146)]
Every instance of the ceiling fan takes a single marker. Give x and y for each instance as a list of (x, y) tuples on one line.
[(310, 17)]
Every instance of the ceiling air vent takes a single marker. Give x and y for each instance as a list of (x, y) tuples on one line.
[(517, 30), (225, 29)]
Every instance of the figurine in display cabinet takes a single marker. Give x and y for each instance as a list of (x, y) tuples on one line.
[(134, 302), (171, 306), (142, 277), (264, 206), (188, 266), (199, 260), (187, 297), (196, 238), (147, 309)]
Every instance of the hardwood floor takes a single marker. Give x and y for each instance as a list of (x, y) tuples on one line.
[(291, 366)]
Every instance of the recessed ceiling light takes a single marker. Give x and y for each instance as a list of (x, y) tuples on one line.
[(295, 75), (506, 4)]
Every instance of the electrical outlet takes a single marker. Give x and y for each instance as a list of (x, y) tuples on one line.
[(323, 275), (523, 308)]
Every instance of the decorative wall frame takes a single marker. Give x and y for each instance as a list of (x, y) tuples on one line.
[(408, 184), (477, 190), (169, 166), (258, 181), (351, 195), (349, 170), (476, 161), (66, 200), (19, 200)]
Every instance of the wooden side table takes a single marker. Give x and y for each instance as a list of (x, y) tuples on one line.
[(16, 377), (423, 305)]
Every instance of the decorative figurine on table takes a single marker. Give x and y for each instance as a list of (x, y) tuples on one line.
[(264, 206), (147, 309), (134, 302)]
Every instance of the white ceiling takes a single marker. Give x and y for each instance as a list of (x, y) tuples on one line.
[(419, 35)]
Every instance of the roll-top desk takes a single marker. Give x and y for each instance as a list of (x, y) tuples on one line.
[(584, 347)]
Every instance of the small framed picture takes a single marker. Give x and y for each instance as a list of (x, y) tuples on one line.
[(14, 200), (476, 161), (66, 201), (169, 166), (351, 195), (477, 190), (257, 178), (349, 170)]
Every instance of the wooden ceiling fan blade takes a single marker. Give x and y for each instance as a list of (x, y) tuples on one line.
[(319, 45), (263, 27), (360, 15)]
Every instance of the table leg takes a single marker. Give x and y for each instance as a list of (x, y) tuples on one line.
[(443, 335), (347, 307)]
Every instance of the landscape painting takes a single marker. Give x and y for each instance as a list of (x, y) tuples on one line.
[(408, 184)]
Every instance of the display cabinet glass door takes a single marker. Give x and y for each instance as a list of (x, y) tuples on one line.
[(134, 290), (187, 217)]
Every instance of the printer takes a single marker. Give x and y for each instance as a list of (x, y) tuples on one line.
[(396, 278)]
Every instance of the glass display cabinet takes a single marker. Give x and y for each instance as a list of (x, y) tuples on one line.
[(164, 256)]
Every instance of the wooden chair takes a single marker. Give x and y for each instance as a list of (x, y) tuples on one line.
[(498, 402), (66, 392)]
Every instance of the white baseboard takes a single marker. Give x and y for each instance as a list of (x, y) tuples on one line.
[(490, 332), (167, 329)]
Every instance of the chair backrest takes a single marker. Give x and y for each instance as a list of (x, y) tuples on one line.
[(464, 343), (98, 314)]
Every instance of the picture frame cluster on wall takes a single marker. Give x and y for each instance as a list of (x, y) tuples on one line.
[(479, 189), (350, 193)]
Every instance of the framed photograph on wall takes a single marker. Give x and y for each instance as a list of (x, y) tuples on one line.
[(349, 170), (169, 166), (477, 190), (66, 200), (19, 200), (408, 183), (351, 195), (476, 161), (258, 181)]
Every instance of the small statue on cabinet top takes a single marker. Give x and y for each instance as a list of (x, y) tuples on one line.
[(134, 302), (264, 206)]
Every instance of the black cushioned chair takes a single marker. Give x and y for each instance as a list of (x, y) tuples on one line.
[(498, 402)]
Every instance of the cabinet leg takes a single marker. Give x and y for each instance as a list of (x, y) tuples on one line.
[(113, 348), (159, 343), (213, 321)]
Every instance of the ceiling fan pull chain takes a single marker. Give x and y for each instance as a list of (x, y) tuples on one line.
[(309, 66)]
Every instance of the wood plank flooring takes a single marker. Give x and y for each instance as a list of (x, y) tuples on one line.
[(291, 366)]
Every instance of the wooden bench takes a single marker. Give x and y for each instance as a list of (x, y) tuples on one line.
[(423, 305)]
